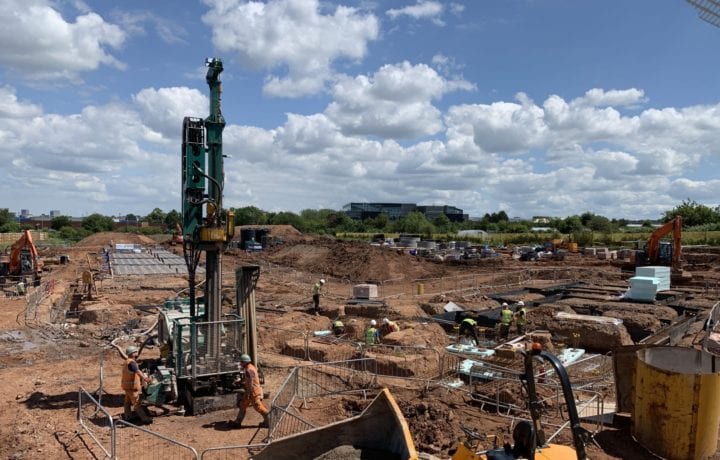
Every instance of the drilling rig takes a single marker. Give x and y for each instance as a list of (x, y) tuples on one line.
[(200, 344)]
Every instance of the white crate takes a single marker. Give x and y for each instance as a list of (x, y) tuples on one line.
[(365, 291)]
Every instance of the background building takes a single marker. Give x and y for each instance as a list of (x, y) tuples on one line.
[(362, 211)]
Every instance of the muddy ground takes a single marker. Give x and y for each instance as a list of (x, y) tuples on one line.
[(43, 365)]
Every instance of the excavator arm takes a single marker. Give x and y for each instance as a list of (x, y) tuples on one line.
[(24, 251), (652, 247)]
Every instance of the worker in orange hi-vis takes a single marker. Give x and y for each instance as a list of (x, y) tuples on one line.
[(253, 394), (132, 379)]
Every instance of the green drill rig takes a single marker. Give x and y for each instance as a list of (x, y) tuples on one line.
[(201, 345)]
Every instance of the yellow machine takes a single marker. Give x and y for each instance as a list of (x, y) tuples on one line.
[(528, 437)]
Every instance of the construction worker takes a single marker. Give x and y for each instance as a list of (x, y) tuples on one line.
[(467, 330), (388, 327), (132, 378), (316, 295), (253, 394), (338, 327), (506, 318), (372, 335), (520, 318)]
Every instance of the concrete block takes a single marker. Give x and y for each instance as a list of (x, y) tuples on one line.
[(365, 291)]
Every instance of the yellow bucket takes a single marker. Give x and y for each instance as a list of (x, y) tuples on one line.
[(677, 402), (420, 289)]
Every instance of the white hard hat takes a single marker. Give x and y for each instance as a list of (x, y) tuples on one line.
[(385, 320), (322, 281), (521, 303), (131, 349), (373, 322), (504, 304)]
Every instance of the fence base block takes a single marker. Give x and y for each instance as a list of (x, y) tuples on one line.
[(206, 404)]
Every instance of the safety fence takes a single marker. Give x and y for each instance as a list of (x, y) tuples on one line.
[(97, 422), (35, 296), (287, 342), (398, 287), (134, 442), (316, 380), (399, 361), (506, 395)]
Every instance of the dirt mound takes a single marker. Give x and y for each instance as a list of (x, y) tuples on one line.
[(287, 232), (354, 261), (418, 334), (109, 238)]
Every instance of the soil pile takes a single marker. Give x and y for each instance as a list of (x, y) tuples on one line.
[(355, 261), (109, 238)]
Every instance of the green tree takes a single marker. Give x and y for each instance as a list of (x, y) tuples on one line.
[(338, 221), (172, 218), (10, 227), (250, 215), (73, 234), (415, 222), (156, 216), (379, 222), (570, 224), (599, 224), (288, 218), (98, 223), (693, 214), (59, 222), (442, 223), (5, 216)]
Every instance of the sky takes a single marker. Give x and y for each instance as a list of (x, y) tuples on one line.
[(532, 107)]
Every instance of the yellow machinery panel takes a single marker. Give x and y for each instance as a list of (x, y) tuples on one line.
[(212, 234), (677, 402)]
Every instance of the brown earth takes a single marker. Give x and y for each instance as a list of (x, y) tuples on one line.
[(42, 366)]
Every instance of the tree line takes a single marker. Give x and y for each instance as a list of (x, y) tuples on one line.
[(328, 221)]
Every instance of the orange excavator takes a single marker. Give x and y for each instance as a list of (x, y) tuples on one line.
[(658, 252), (23, 261), (665, 253), (177, 236)]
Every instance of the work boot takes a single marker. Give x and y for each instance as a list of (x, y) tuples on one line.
[(145, 419), (237, 423), (265, 423)]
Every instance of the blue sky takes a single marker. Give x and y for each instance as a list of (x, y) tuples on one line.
[(535, 107)]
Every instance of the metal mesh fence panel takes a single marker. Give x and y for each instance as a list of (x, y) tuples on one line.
[(333, 378), (282, 401), (134, 442), (282, 341), (289, 424), (230, 452), (208, 348), (96, 422), (331, 348), (405, 361)]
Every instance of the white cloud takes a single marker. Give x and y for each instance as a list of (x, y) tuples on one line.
[(395, 102), (135, 23), (41, 44), (164, 109), (597, 97), (422, 9), (292, 36), (11, 107)]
